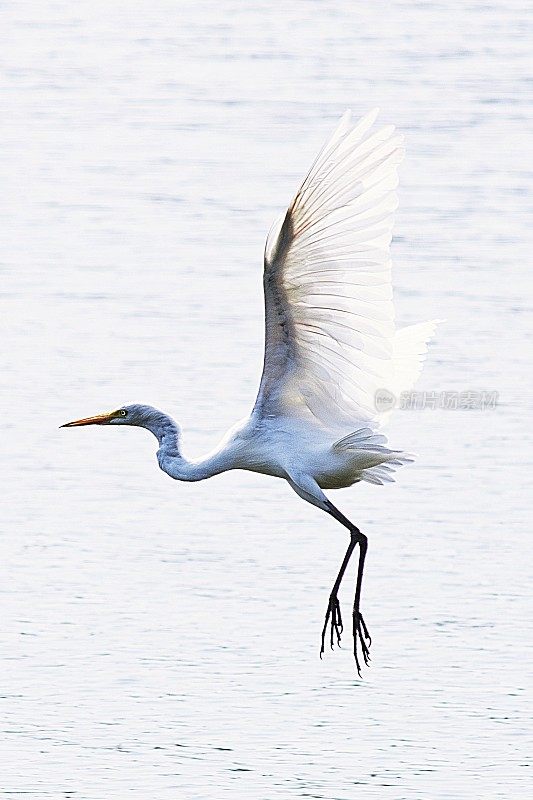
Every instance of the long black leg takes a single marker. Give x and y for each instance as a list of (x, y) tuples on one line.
[(333, 615)]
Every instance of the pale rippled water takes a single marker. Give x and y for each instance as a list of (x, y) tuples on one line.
[(161, 640)]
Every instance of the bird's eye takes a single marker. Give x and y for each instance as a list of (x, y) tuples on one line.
[(123, 413)]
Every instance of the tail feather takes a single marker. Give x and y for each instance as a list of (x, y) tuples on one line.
[(383, 473), (409, 352)]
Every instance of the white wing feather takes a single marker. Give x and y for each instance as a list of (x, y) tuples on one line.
[(330, 333)]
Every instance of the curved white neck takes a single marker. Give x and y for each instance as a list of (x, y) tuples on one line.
[(173, 462)]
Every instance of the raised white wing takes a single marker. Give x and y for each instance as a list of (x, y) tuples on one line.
[(330, 331)]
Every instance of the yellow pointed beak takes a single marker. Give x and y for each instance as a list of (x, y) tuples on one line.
[(99, 419)]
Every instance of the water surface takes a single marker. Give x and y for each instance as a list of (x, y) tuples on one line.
[(161, 640)]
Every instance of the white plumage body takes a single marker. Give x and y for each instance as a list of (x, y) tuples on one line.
[(285, 447)]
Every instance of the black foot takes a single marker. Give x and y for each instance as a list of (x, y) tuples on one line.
[(333, 617), (361, 637)]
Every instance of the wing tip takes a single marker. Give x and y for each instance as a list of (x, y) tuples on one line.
[(367, 119)]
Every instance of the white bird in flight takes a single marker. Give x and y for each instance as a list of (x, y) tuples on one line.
[(334, 361)]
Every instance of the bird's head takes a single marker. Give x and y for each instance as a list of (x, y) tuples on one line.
[(141, 416)]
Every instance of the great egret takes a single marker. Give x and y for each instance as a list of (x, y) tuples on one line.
[(331, 348)]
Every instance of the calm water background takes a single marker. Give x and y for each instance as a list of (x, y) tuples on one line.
[(161, 640)]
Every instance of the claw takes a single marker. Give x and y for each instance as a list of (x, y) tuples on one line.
[(360, 637), (365, 629), (334, 620)]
